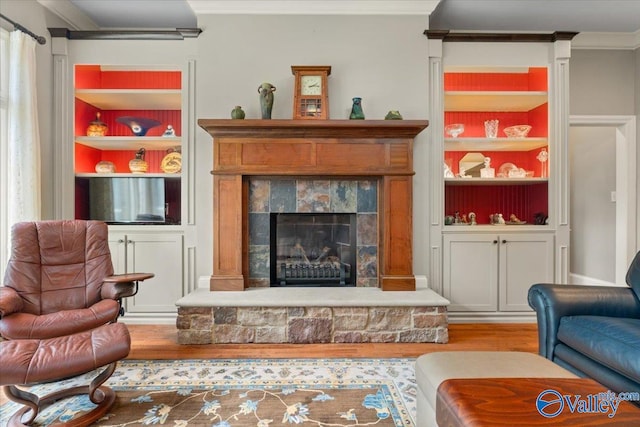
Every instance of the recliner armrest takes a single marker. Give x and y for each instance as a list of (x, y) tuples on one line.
[(552, 302), (122, 285), (10, 301)]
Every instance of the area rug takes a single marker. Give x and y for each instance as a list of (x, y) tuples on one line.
[(249, 392)]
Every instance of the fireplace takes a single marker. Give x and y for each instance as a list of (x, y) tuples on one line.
[(379, 151), (313, 249)]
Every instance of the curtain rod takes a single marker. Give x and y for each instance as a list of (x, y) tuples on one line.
[(17, 26)]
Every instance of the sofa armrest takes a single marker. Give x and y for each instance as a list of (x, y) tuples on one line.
[(121, 286), (10, 301), (552, 302)]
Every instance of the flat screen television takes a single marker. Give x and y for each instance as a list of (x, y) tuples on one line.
[(127, 200)]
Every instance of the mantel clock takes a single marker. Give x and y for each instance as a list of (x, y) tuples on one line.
[(311, 93)]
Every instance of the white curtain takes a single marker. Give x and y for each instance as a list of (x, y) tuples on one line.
[(23, 201)]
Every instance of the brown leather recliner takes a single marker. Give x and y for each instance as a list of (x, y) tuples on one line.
[(60, 281)]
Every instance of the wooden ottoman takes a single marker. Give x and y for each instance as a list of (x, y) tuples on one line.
[(34, 361), (434, 368)]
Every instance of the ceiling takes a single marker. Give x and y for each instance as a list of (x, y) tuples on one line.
[(618, 17)]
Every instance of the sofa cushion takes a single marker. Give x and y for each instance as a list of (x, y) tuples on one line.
[(613, 342), (633, 275)]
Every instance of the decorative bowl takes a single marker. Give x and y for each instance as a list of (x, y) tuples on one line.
[(138, 125), (454, 130), (506, 170), (105, 166), (517, 131)]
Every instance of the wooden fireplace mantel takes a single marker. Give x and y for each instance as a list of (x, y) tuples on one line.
[(309, 148)]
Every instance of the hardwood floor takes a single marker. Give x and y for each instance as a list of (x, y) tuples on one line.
[(159, 342)]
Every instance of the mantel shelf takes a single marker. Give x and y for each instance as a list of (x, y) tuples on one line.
[(257, 128)]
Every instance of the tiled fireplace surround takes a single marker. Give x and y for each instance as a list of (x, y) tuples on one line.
[(264, 166), (268, 196)]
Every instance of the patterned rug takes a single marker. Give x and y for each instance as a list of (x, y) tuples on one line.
[(249, 392)]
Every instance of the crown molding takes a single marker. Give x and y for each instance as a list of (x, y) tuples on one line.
[(69, 13), (623, 41), (504, 37), (314, 7), (177, 34)]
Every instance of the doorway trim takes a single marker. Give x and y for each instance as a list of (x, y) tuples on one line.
[(626, 192)]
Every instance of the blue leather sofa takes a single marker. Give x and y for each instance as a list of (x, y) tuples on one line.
[(593, 331)]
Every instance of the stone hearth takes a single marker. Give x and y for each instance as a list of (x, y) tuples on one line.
[(313, 315)]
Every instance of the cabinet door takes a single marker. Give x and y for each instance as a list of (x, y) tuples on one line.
[(161, 254), (470, 272), (118, 251), (525, 259)]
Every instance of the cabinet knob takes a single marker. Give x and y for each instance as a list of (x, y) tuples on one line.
[(504, 241), (495, 242), (120, 240)]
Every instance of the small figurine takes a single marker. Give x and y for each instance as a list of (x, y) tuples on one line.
[(169, 131), (542, 157), (448, 173), (472, 218), (513, 219), (487, 171), (500, 219)]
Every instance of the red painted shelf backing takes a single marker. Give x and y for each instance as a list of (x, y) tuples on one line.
[(92, 77), (522, 159), (534, 80), (87, 157), (86, 113), (474, 121), (523, 201)]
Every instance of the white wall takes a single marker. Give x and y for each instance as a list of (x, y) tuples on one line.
[(382, 59), (592, 152), (602, 83)]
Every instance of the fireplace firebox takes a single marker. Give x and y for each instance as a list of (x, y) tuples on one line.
[(313, 249)]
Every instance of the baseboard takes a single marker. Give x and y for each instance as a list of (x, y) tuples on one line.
[(577, 279), (491, 317), (149, 319)]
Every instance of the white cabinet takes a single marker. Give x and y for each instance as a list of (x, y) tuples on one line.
[(492, 272), (160, 253)]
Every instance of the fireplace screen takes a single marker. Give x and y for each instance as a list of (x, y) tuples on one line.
[(313, 249)]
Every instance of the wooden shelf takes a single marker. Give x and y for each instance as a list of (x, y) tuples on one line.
[(517, 101), (128, 175), (494, 144), (130, 142), (132, 99), (495, 181)]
